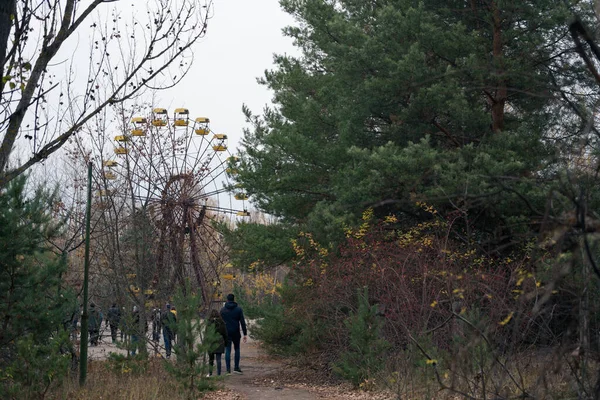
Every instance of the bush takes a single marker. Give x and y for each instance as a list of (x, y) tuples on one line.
[(278, 332), (33, 345), (124, 364), (35, 367), (364, 357)]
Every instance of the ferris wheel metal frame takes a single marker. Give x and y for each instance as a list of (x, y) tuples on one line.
[(178, 170)]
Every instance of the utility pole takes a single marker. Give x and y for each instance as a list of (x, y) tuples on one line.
[(83, 349)]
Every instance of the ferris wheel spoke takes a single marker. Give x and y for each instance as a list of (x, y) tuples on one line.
[(215, 242)]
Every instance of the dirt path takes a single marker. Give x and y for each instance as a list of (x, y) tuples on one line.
[(264, 378), (256, 368)]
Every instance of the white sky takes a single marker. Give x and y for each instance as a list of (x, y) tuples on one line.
[(241, 39), (239, 45)]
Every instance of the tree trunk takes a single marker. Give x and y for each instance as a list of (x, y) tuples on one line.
[(499, 100), (7, 9)]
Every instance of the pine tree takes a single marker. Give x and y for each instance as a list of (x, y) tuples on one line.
[(457, 104), (364, 356), (34, 305)]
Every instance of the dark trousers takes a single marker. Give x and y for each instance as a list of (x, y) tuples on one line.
[(135, 343), (113, 332), (211, 362), (234, 337), (94, 335), (168, 336)]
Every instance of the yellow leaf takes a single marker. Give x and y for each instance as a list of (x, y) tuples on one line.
[(507, 319)]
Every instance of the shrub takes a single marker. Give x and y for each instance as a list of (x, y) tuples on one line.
[(35, 367), (124, 364), (363, 358)]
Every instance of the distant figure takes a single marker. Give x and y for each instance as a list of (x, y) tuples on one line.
[(216, 324), (100, 326), (233, 315), (94, 323), (135, 336), (123, 324), (113, 319), (74, 322), (169, 321), (156, 328), (174, 311)]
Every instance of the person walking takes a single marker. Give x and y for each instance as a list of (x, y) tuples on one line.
[(233, 315), (74, 327), (174, 311), (123, 324), (156, 328), (216, 324), (168, 320), (136, 331), (94, 323), (135, 321), (113, 319)]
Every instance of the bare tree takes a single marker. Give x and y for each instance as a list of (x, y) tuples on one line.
[(130, 51)]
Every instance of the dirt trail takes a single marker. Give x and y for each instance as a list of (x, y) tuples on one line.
[(257, 367), (264, 378), (254, 363)]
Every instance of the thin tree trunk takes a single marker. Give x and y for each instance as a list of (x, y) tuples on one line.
[(7, 14), (499, 100)]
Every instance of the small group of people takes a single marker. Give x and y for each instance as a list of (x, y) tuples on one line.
[(227, 324), (96, 317)]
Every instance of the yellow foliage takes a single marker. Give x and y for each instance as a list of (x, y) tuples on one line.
[(390, 219), (507, 319)]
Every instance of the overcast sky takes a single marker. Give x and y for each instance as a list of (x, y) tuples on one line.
[(241, 39)]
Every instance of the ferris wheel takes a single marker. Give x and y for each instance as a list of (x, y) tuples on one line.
[(176, 171)]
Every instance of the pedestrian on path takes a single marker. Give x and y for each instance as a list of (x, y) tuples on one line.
[(135, 335), (156, 328), (216, 325), (113, 319), (233, 315), (169, 321), (94, 324)]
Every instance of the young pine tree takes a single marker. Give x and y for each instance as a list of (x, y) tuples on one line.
[(364, 356), (34, 306)]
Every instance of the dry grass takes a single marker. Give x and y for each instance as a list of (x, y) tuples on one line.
[(103, 383)]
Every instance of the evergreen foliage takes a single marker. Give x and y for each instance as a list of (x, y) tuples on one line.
[(35, 308), (279, 331), (468, 128), (364, 356), (468, 106), (264, 245)]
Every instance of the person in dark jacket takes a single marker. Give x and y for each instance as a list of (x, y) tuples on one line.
[(94, 324), (233, 315), (156, 328), (216, 324), (169, 323), (138, 331), (113, 319)]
